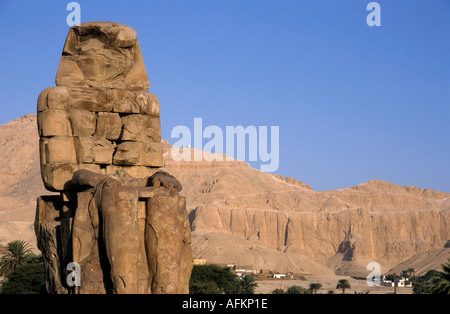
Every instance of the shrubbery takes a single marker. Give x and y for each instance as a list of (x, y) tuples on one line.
[(213, 279), (27, 278)]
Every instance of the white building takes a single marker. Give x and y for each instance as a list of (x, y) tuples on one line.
[(401, 282)]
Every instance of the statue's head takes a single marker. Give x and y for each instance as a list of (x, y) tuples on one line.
[(102, 54), (100, 116)]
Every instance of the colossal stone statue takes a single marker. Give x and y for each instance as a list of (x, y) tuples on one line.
[(117, 216)]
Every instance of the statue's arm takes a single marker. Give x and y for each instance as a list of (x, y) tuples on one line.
[(87, 178), (162, 178)]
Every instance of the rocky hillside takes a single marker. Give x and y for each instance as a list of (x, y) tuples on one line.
[(20, 179), (241, 215)]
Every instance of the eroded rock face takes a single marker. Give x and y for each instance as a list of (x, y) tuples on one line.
[(117, 216)]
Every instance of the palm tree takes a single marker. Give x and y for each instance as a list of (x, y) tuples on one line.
[(408, 273), (16, 253), (343, 284), (411, 272), (248, 285), (440, 283), (314, 286)]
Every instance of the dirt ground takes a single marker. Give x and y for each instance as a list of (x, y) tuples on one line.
[(328, 283)]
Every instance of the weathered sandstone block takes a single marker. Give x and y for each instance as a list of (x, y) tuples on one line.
[(125, 101), (83, 122), (56, 97), (60, 149), (91, 99), (109, 125), (139, 154), (57, 176), (141, 128), (96, 150), (54, 122)]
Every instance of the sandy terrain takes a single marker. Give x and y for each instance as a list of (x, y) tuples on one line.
[(328, 283)]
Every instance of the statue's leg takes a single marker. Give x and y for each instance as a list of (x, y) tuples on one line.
[(85, 229), (122, 239), (167, 239), (186, 250)]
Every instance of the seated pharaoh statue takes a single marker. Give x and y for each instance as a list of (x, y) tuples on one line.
[(117, 223)]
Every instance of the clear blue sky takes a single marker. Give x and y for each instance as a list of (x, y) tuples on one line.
[(353, 102)]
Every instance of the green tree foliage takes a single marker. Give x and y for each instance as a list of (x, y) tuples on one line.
[(434, 282), (343, 284), (214, 279), (297, 290), (247, 285), (199, 287), (314, 287), (409, 274), (422, 284), (440, 282), (391, 277), (16, 253), (27, 278), (294, 290)]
